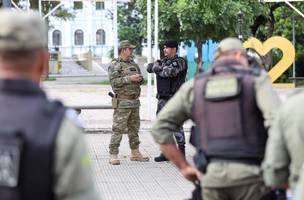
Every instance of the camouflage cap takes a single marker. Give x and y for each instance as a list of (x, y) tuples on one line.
[(20, 30), (125, 44), (229, 44)]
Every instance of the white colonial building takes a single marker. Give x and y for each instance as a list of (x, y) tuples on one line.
[(91, 29)]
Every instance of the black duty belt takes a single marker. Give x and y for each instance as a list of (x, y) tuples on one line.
[(128, 97), (249, 161)]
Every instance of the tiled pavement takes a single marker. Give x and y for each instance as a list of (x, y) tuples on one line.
[(135, 180), (130, 180)]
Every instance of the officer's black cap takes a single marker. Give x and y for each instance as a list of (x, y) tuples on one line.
[(171, 44)]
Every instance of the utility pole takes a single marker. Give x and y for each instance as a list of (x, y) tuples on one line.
[(294, 44), (240, 23), (115, 24), (156, 54), (149, 45)]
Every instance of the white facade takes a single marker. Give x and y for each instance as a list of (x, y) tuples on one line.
[(92, 28)]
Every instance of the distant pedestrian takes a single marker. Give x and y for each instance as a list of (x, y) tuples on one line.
[(232, 106), (170, 73), (42, 149), (125, 78)]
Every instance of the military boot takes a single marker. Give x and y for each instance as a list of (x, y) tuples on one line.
[(137, 156), (114, 159), (160, 158)]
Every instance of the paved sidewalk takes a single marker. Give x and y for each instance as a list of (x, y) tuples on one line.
[(130, 180), (136, 180)]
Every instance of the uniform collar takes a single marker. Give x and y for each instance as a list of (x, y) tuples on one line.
[(126, 61), (228, 61), (171, 58), (20, 86)]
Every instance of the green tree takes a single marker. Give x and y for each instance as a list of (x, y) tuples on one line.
[(47, 6), (169, 25), (129, 27), (203, 20), (198, 21)]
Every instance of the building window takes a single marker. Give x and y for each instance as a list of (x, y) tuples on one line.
[(56, 38), (78, 5), (78, 37), (100, 37), (100, 5)]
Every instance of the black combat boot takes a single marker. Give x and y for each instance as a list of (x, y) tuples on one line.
[(160, 158), (182, 149)]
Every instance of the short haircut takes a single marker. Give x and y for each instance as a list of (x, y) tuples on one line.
[(18, 58)]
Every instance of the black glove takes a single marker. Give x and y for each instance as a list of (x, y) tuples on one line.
[(157, 67), (168, 62)]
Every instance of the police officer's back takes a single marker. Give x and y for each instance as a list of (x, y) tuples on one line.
[(284, 155), (42, 151), (232, 107)]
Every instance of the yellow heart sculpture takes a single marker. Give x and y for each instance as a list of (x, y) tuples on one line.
[(281, 43)]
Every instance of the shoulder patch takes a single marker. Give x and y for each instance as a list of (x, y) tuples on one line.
[(217, 88)]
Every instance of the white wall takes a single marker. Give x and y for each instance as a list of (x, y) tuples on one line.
[(89, 20)]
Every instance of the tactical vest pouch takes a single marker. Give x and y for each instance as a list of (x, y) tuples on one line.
[(11, 150), (11, 147), (218, 88), (223, 97)]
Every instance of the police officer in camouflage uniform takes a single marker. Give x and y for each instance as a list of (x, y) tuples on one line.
[(170, 73), (284, 156), (42, 147), (232, 106), (125, 78)]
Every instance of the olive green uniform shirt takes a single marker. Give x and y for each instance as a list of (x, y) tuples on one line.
[(178, 110), (72, 167), (284, 154)]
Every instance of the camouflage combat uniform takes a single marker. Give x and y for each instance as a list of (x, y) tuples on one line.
[(126, 108)]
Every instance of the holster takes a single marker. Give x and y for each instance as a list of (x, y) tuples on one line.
[(277, 194), (200, 159), (197, 192), (114, 102)]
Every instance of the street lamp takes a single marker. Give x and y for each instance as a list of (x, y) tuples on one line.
[(240, 15)]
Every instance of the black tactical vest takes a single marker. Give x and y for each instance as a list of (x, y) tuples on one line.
[(167, 87), (28, 126), (230, 127)]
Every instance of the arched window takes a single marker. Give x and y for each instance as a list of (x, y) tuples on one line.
[(100, 5), (78, 37), (56, 38), (100, 37)]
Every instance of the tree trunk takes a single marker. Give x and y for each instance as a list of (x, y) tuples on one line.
[(199, 61), (270, 29)]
